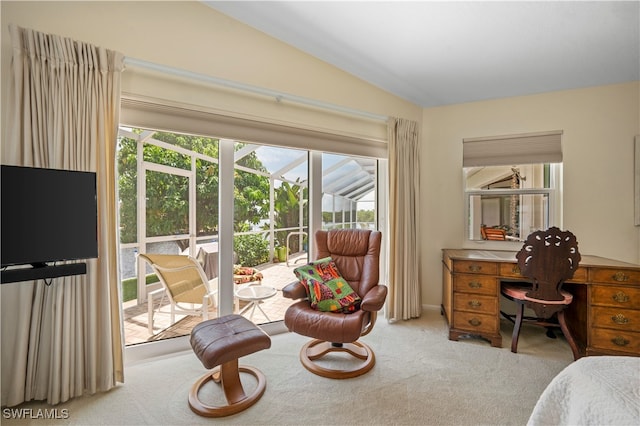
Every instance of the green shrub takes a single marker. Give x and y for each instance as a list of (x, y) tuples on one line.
[(251, 249)]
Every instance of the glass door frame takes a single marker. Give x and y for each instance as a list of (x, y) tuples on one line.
[(226, 166), (143, 239), (226, 171)]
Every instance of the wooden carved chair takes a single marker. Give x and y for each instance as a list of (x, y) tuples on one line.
[(548, 258), (356, 253)]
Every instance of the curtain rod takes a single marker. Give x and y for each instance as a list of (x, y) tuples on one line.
[(278, 96)]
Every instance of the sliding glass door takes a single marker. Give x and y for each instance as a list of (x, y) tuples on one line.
[(168, 192), (176, 193)]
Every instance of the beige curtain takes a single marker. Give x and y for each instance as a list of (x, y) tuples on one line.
[(65, 339), (404, 298)]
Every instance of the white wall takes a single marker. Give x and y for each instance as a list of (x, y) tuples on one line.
[(599, 125)]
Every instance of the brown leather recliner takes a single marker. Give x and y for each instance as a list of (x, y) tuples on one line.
[(357, 255)]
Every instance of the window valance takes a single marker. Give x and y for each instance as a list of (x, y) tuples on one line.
[(178, 117), (528, 148)]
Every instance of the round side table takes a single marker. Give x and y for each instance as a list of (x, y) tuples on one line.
[(255, 294)]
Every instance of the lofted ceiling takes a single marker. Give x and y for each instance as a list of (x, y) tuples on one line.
[(439, 53)]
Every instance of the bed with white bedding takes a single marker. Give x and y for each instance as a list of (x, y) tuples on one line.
[(597, 390)]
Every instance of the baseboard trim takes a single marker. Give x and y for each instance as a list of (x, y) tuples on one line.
[(431, 307)]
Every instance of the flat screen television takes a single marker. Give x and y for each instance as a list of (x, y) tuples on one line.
[(47, 215)]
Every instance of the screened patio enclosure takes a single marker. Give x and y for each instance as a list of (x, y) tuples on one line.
[(169, 186)]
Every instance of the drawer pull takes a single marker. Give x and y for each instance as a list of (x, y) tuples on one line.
[(620, 341), (475, 284), (515, 269), (620, 297), (475, 322), (475, 303), (620, 277), (475, 268), (620, 319)]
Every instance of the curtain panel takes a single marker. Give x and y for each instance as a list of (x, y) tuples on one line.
[(64, 338), (404, 299)]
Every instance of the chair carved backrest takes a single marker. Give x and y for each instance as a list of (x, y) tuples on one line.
[(356, 253), (548, 258)]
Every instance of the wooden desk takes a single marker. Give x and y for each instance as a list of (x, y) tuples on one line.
[(604, 317)]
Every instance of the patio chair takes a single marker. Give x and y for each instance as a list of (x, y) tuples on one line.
[(185, 284), (495, 234)]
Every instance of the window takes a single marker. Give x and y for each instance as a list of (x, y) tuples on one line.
[(169, 188), (512, 185), (348, 192), (235, 129)]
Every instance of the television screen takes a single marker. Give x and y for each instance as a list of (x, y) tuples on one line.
[(48, 215)]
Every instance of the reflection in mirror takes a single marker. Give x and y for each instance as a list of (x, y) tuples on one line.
[(507, 217), (507, 203)]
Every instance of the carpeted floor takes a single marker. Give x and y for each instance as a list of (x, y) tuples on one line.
[(420, 378)]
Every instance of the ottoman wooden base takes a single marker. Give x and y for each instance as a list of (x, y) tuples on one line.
[(218, 343), (228, 375)]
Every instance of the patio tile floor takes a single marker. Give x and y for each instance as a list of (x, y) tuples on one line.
[(276, 275)]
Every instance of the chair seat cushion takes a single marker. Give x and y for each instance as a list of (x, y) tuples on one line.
[(334, 327), (328, 291), (519, 292)]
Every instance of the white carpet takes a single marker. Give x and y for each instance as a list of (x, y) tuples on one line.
[(420, 378)]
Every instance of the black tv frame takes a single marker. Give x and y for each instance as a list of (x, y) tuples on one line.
[(42, 265)]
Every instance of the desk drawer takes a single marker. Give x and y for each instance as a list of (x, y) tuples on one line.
[(615, 318), (615, 340), (615, 276), (580, 276), (615, 296), (512, 270), (475, 322), (476, 303), (473, 267), (477, 284)]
